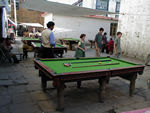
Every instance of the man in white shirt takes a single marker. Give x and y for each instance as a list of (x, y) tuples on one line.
[(48, 40)]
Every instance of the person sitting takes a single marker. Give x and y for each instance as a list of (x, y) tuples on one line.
[(110, 46), (7, 51), (26, 49), (26, 33), (38, 34)]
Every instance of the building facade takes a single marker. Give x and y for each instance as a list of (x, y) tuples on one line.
[(73, 27), (105, 5), (134, 22), (4, 10)]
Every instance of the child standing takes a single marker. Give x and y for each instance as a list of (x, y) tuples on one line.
[(110, 46), (117, 45), (80, 51)]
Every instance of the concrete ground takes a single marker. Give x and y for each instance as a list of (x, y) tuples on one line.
[(20, 91)]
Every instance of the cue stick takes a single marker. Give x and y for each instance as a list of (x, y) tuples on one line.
[(97, 65), (89, 61)]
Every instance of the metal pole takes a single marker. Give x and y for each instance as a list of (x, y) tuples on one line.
[(15, 15)]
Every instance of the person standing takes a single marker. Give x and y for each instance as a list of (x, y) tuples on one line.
[(98, 41), (48, 41), (110, 46), (147, 60), (104, 43), (117, 45), (80, 51)]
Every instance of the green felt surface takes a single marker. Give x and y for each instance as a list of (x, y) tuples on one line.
[(39, 44), (58, 65), (71, 39), (27, 38)]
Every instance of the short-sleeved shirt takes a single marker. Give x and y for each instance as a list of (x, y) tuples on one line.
[(118, 44), (52, 38), (98, 40), (79, 52)]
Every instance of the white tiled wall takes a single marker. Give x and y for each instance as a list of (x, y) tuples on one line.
[(134, 22), (74, 26)]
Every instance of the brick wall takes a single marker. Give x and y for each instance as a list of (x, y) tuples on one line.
[(27, 16)]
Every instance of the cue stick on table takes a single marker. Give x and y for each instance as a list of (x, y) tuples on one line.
[(97, 65), (89, 61)]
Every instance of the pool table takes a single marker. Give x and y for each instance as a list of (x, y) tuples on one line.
[(58, 50), (86, 69), (69, 41), (29, 40)]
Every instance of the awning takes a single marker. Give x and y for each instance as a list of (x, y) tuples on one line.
[(11, 22), (32, 24), (61, 9)]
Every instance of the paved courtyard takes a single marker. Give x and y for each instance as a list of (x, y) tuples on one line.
[(20, 91)]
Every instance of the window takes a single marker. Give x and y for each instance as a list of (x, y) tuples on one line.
[(80, 4), (102, 5), (9, 1), (116, 16), (113, 29), (17, 5), (117, 6)]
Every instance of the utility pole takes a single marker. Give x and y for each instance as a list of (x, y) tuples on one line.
[(15, 15)]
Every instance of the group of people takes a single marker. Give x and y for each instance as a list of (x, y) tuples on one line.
[(5, 46), (33, 33), (48, 40), (101, 44)]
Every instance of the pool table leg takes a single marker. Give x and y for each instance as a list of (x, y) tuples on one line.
[(34, 54), (43, 82), (102, 87), (60, 97), (70, 45), (132, 83), (78, 84), (91, 44)]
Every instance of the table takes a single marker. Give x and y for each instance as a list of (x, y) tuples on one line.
[(58, 50), (29, 40), (89, 69), (69, 41), (92, 42)]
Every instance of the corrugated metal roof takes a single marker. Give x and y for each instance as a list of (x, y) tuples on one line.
[(60, 9)]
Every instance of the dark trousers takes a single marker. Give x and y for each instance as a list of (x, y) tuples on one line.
[(105, 47), (46, 52)]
